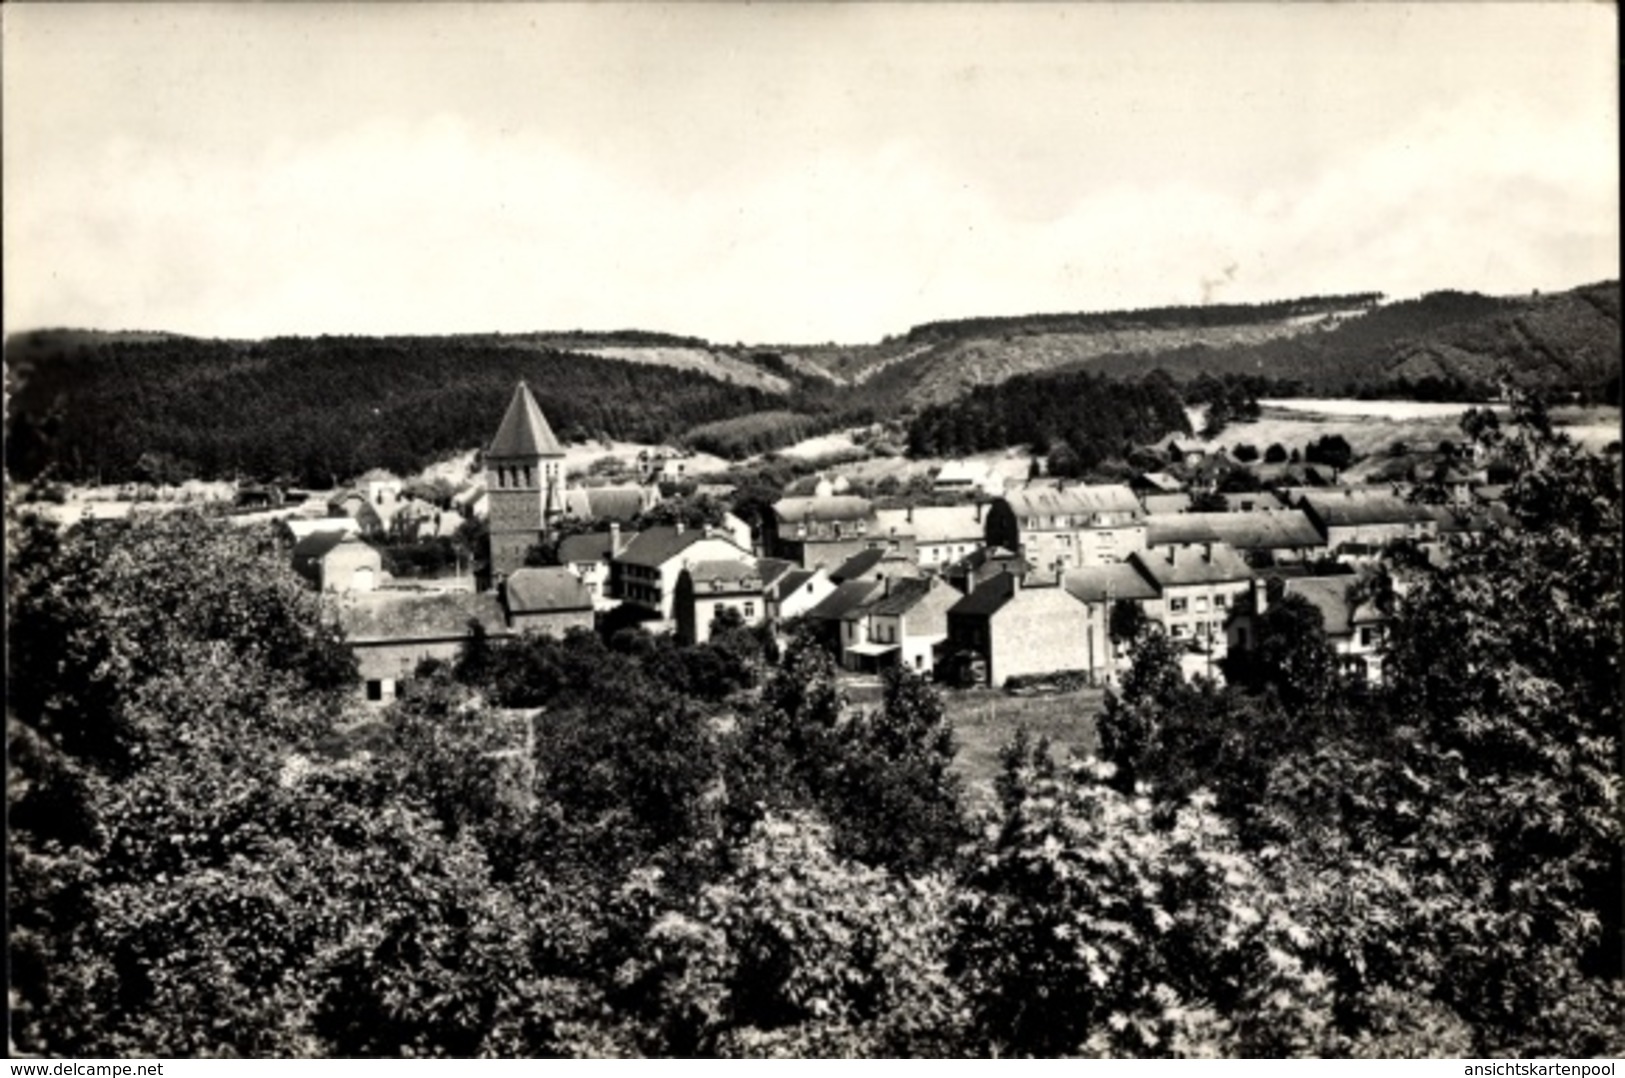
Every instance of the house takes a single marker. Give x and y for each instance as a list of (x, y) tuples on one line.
[(908, 624), (937, 535), (979, 565), (1362, 520), (622, 504), (645, 571), (819, 530), (967, 477), (875, 564), (1196, 587), (338, 561), (524, 482), (1100, 588), (588, 556), (259, 497), (707, 588), (1156, 483), (1007, 628), (837, 618), (794, 593), (550, 599), (1175, 502), (1067, 526), (1262, 537), (1353, 625), (392, 633)]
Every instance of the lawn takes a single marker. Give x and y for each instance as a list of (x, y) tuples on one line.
[(984, 719)]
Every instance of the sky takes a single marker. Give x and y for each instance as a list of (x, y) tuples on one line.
[(788, 173)]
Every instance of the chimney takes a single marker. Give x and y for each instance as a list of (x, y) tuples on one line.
[(979, 506), (1172, 550), (614, 539), (885, 586), (908, 515), (1207, 552)]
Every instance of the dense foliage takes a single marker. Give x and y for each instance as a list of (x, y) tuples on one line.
[(320, 410), (1095, 418), (587, 847)]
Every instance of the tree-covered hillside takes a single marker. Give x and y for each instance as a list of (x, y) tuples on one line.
[(316, 410)]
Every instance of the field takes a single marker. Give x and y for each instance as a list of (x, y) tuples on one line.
[(985, 719)]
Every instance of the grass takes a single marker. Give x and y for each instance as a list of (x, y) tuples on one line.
[(984, 719)]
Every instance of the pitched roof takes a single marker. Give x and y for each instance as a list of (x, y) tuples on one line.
[(789, 583), (656, 546), (544, 590), (524, 431), (380, 617), (963, 471), (1255, 529), (902, 596), (315, 546), (1180, 566), (725, 575), (830, 507), (775, 569), (589, 546), (1104, 583), (857, 565), (987, 598), (1072, 500), (1330, 595), (1349, 506), (932, 523), (844, 599)]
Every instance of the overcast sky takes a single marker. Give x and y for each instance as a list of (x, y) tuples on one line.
[(788, 173)]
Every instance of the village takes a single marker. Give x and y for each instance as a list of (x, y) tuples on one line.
[(1019, 584)]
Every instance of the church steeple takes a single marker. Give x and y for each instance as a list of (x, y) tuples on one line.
[(523, 481)]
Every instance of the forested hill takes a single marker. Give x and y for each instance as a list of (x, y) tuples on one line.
[(1450, 344), (316, 410), (938, 362)]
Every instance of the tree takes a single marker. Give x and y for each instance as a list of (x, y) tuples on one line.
[(1246, 453), (1092, 928), (1275, 454)]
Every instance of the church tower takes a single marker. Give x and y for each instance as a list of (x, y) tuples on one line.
[(524, 481)]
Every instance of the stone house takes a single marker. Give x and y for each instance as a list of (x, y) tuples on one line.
[(939, 534), (1358, 521), (820, 530), (645, 571), (588, 556), (546, 600), (338, 561), (1013, 628), (1354, 626), (392, 633), (908, 625)]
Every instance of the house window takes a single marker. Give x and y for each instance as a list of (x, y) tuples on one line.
[(1177, 606), (1368, 636), (1221, 601), (1181, 631), (749, 610), (375, 691), (1201, 604)]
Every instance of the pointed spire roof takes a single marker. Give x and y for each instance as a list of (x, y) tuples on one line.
[(524, 431)]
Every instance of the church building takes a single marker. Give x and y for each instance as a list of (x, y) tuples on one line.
[(524, 482)]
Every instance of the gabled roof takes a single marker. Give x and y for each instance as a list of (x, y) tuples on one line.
[(775, 569), (545, 590), (1180, 566), (1175, 502), (316, 545), (589, 546), (1072, 500), (380, 617), (1108, 583), (730, 576), (932, 523), (1162, 481), (1330, 595), (789, 583), (657, 546), (830, 507), (1349, 506), (524, 431), (964, 471), (1255, 529), (988, 597), (902, 596), (844, 599)]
